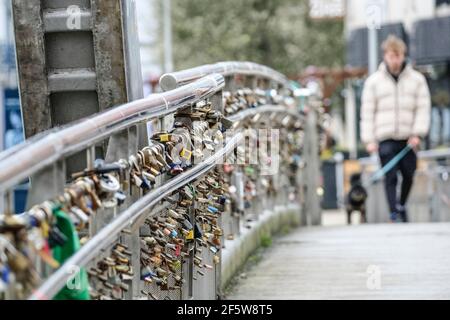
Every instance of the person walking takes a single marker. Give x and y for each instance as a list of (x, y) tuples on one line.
[(395, 112)]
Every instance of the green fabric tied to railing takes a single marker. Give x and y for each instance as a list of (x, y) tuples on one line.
[(78, 286)]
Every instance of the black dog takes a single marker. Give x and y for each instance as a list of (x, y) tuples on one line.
[(356, 198)]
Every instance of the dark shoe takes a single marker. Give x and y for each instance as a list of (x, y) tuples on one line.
[(393, 217), (403, 214)]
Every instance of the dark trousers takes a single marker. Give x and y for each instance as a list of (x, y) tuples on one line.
[(407, 167)]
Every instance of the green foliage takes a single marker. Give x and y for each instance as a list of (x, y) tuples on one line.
[(266, 241), (286, 229), (276, 33)]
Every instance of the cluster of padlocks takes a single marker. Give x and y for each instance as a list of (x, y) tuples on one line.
[(181, 241)]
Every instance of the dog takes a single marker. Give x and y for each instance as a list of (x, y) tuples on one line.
[(356, 198)]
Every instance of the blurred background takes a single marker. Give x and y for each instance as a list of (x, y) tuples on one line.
[(325, 42)]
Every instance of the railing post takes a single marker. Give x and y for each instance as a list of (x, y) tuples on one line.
[(313, 210)]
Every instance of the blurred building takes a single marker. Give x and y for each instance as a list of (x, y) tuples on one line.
[(425, 26), (149, 27), (11, 124), (11, 129)]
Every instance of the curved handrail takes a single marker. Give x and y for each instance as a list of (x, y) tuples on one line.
[(170, 81), (106, 235), (38, 153), (264, 109)]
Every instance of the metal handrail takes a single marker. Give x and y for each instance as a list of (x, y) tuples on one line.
[(38, 153), (265, 109), (174, 80), (107, 235), (129, 217)]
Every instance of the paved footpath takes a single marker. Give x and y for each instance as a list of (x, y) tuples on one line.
[(394, 261)]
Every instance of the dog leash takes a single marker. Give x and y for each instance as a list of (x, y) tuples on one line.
[(391, 164)]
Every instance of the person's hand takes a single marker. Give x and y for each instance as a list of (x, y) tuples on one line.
[(372, 147), (414, 142)]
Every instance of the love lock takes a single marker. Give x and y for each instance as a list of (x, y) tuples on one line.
[(109, 183), (110, 186)]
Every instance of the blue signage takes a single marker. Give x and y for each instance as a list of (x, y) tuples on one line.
[(14, 134)]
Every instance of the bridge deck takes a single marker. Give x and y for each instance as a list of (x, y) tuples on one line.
[(333, 262)]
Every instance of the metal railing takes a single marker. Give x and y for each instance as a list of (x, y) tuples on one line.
[(187, 88), (173, 80), (428, 200), (31, 156)]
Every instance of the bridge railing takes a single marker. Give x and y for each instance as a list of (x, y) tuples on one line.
[(124, 255), (428, 201)]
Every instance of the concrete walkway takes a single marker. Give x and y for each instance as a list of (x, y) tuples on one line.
[(393, 261)]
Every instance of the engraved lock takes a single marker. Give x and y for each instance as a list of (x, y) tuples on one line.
[(161, 219), (185, 203), (198, 234), (217, 231), (216, 241), (92, 272), (202, 187), (175, 266), (124, 286), (161, 272), (161, 137), (162, 233), (197, 262), (91, 191), (102, 277), (153, 226), (172, 213), (136, 180), (81, 215), (120, 197), (190, 235), (186, 154), (187, 225), (122, 268), (142, 158), (148, 160), (163, 156), (157, 250), (123, 260), (172, 222), (17, 261), (108, 183), (158, 159), (188, 192), (113, 277), (152, 171), (169, 226), (150, 241), (213, 249), (79, 200), (56, 238), (202, 200), (179, 280), (150, 177), (166, 232), (212, 209), (200, 273), (134, 162), (147, 272)]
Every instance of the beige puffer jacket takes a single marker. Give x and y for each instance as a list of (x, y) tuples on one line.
[(395, 110)]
